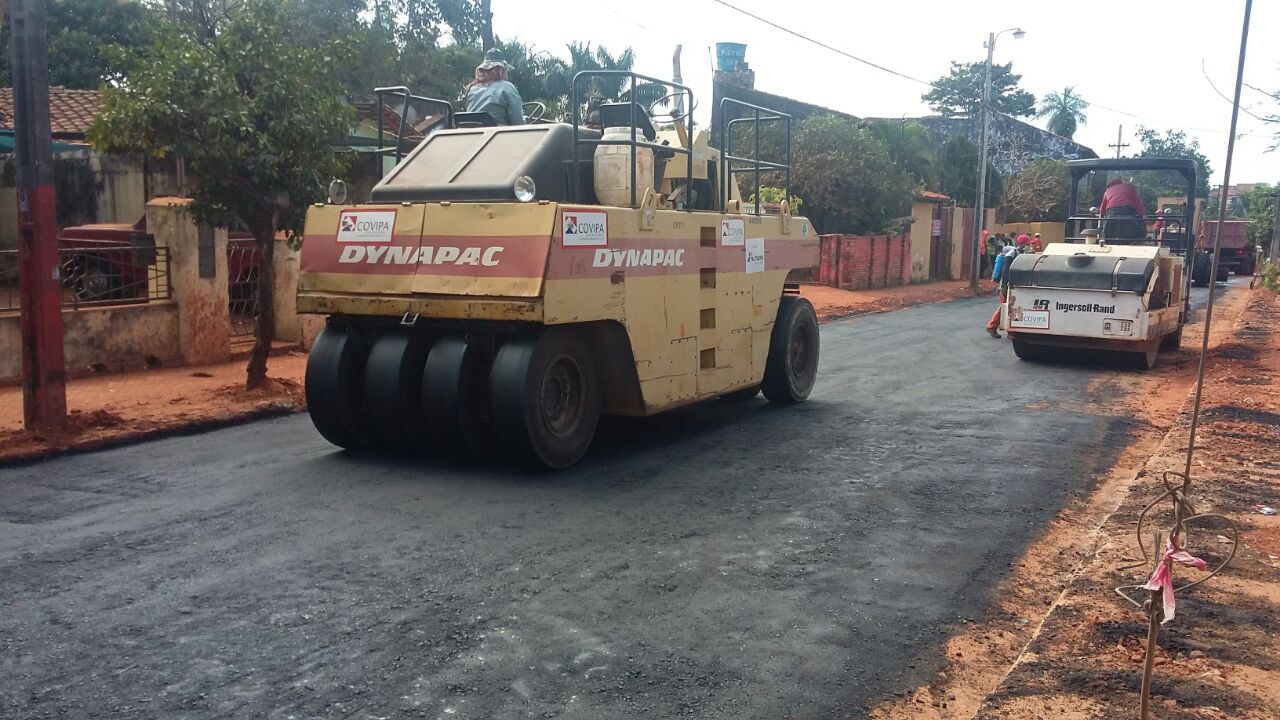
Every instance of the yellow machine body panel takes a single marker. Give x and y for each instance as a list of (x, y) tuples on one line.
[(696, 292)]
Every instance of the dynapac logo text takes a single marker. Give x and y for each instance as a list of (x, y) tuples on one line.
[(426, 255), (639, 258)]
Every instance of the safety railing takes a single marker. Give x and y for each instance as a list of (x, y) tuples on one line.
[(93, 276), (728, 160), (407, 98), (633, 142)]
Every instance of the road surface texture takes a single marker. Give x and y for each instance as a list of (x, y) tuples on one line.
[(727, 561)]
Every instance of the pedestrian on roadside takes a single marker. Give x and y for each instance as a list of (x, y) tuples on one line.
[(1024, 242), (1000, 273), (1037, 245), (988, 256)]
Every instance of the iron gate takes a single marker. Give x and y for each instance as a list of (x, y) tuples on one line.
[(242, 287)]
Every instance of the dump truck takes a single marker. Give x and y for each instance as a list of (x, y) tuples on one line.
[(506, 286), (1235, 250), (1104, 289)]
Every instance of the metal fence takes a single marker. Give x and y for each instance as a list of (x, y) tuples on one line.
[(94, 276)]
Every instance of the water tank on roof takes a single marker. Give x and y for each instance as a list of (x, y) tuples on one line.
[(730, 56)]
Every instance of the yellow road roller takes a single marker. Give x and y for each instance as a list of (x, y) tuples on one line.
[(506, 285)]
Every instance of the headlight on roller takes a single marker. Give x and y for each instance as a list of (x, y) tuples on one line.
[(525, 189)]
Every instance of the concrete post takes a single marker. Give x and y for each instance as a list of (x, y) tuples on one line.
[(204, 317)]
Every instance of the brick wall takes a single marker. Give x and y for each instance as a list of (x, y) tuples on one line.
[(858, 262)]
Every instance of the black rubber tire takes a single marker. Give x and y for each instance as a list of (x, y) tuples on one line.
[(393, 391), (792, 366), (454, 389), (1200, 268), (335, 387), (531, 378), (1172, 341), (1031, 352)]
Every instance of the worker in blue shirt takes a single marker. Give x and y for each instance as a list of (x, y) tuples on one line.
[(491, 92)]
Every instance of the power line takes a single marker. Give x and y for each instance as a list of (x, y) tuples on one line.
[(1205, 71), (820, 44), (882, 68)]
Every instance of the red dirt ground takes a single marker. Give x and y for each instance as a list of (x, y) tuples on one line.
[(108, 408), (831, 303)]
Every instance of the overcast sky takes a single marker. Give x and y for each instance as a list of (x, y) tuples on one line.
[(1141, 60)]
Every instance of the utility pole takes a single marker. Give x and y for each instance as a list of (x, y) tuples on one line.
[(44, 392), (1275, 232), (486, 25), (979, 220), (985, 113), (1119, 143)]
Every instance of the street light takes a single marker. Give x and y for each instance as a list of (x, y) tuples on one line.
[(978, 224)]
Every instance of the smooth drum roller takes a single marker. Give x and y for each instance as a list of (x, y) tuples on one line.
[(393, 391), (792, 366), (453, 396), (546, 398), (334, 387)]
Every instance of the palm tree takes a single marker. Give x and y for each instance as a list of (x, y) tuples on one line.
[(1065, 111)]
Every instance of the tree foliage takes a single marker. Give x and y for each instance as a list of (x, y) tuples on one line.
[(1171, 144), (958, 175), (252, 114), (959, 94), (1065, 111), (846, 176), (1041, 190), (1260, 209), (78, 31), (911, 148)]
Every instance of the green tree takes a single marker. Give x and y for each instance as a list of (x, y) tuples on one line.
[(957, 174), (252, 114), (1171, 144), (846, 177), (959, 94), (1065, 111), (1261, 202), (78, 30), (911, 148)]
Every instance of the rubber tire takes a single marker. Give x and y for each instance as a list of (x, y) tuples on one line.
[(1200, 268), (1172, 341), (1029, 352), (453, 394), (393, 391), (334, 387), (516, 380), (783, 383)]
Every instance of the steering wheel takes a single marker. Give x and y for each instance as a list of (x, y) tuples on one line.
[(671, 116), (535, 113)]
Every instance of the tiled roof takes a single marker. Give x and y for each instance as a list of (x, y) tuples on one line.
[(932, 196), (71, 112)]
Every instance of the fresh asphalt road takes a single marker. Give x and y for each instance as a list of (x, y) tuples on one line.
[(726, 561)]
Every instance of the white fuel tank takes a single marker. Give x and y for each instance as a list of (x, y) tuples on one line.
[(613, 169)]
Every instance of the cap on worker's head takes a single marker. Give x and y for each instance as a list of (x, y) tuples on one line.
[(1113, 182), (1037, 234), (493, 58)]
